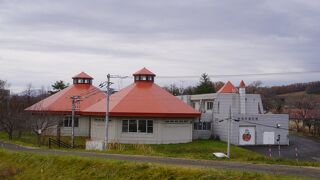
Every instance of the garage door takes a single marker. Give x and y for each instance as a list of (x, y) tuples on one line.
[(268, 137), (247, 135)]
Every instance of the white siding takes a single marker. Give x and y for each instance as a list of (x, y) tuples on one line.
[(82, 130), (163, 133)]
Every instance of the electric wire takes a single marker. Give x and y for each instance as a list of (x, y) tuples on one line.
[(237, 120)]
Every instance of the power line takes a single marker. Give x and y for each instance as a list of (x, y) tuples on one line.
[(244, 75), (232, 75), (237, 120)]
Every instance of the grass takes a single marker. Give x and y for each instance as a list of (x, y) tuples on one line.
[(200, 149), (30, 139), (32, 166)]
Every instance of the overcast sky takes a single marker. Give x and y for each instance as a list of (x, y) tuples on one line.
[(42, 41)]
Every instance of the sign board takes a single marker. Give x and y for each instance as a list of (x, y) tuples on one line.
[(247, 135), (268, 138)]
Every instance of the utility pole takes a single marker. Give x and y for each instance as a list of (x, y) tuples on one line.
[(74, 99), (108, 83), (107, 113), (229, 132)]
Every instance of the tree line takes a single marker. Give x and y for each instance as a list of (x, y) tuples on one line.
[(14, 119)]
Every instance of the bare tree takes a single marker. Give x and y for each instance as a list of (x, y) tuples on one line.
[(11, 115), (41, 121), (302, 110), (254, 86)]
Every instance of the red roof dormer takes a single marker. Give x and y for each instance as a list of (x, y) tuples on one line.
[(82, 78), (144, 75)]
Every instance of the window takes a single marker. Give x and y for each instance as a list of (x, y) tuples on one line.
[(137, 126), (142, 126), (132, 125), (150, 126), (209, 105), (149, 78), (68, 121), (202, 126), (125, 126), (143, 78), (218, 107)]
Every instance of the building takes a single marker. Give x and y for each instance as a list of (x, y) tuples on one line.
[(143, 112), (250, 124)]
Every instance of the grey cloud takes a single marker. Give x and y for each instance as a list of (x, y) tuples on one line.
[(174, 37)]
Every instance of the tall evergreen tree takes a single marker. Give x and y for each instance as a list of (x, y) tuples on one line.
[(205, 85), (58, 86)]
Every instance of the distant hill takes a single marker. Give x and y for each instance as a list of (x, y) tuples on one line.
[(295, 94), (296, 89)]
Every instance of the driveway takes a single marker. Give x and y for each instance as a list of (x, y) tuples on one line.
[(307, 149), (313, 172)]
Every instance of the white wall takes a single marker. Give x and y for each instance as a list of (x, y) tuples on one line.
[(82, 130), (163, 133)]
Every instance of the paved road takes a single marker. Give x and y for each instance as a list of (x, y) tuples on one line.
[(274, 169), (308, 149)]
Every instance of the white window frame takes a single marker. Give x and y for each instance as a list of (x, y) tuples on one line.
[(137, 126), (207, 105)]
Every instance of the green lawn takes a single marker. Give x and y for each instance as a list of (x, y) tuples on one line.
[(32, 166), (30, 139), (200, 149)]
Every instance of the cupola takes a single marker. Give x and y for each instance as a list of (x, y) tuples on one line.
[(82, 78), (144, 75)]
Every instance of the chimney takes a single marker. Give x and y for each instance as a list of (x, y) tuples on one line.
[(242, 92)]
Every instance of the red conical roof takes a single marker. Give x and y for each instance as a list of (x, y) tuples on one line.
[(228, 88), (82, 75), (143, 100), (242, 84), (61, 101), (144, 71)]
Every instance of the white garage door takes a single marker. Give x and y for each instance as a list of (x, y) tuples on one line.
[(247, 135), (268, 137)]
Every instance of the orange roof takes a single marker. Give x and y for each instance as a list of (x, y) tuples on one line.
[(140, 99), (61, 102), (82, 75), (228, 88), (144, 71), (242, 84), (143, 99)]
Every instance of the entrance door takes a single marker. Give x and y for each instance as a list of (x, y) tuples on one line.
[(247, 135), (97, 129)]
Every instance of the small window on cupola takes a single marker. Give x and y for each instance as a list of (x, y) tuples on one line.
[(144, 75), (82, 78)]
